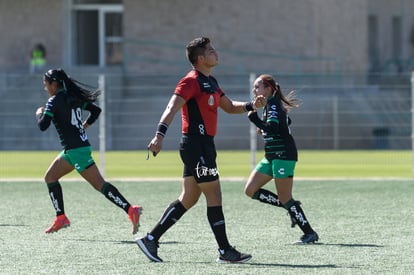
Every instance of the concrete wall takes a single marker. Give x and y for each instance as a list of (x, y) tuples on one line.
[(385, 10), (313, 28), (300, 28), (26, 23)]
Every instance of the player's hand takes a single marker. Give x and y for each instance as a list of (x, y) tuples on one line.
[(259, 101), (40, 110), (155, 145)]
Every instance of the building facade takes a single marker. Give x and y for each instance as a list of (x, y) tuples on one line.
[(298, 36), (324, 49)]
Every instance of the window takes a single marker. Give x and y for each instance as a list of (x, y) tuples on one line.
[(97, 32), (397, 42), (373, 43), (396, 37), (113, 38)]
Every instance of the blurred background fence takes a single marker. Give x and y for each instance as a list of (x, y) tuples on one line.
[(337, 112)]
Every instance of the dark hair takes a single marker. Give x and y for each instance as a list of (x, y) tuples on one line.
[(39, 47), (80, 91), (289, 101), (195, 48)]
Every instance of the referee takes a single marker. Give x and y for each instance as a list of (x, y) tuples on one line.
[(198, 96)]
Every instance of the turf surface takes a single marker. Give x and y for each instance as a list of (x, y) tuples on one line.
[(365, 227), (132, 164)]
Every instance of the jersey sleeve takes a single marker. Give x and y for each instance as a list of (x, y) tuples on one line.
[(269, 126), (186, 88), (44, 120), (94, 112)]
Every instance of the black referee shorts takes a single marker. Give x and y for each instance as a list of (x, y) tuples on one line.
[(198, 154)]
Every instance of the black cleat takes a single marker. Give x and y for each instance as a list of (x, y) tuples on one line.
[(231, 255), (308, 238), (149, 248)]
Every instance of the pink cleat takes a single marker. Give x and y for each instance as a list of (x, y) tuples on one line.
[(60, 222), (134, 212)]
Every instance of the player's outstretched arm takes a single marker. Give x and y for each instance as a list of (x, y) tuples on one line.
[(238, 107)]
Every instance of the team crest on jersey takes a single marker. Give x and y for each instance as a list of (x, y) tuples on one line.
[(211, 100)]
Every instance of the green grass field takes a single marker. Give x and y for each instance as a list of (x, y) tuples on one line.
[(365, 227), (359, 202), (132, 164)]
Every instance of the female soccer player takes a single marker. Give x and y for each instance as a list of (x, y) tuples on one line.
[(280, 155), (68, 98)]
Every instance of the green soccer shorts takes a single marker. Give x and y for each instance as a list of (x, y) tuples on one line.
[(80, 158), (277, 168)]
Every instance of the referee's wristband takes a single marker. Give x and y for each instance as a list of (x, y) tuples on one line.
[(248, 106), (162, 129)]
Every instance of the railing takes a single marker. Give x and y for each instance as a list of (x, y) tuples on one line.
[(337, 112), (140, 54)]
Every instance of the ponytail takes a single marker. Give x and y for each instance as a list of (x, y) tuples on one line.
[(289, 101), (78, 91)]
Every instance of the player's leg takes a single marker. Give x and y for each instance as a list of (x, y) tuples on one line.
[(296, 212), (212, 193), (57, 169), (215, 216), (86, 167), (189, 196), (284, 189), (258, 178), (93, 176)]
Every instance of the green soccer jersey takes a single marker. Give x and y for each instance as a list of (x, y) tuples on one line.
[(67, 118), (278, 140)]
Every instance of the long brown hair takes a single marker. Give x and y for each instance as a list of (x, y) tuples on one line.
[(289, 101)]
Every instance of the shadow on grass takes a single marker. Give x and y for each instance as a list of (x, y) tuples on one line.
[(112, 241), (11, 225), (134, 242), (349, 244), (293, 265)]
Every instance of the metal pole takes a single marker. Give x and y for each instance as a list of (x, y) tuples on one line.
[(102, 123), (253, 134), (412, 120), (335, 123)]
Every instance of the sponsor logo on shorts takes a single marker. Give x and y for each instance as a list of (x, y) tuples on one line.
[(204, 171)]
